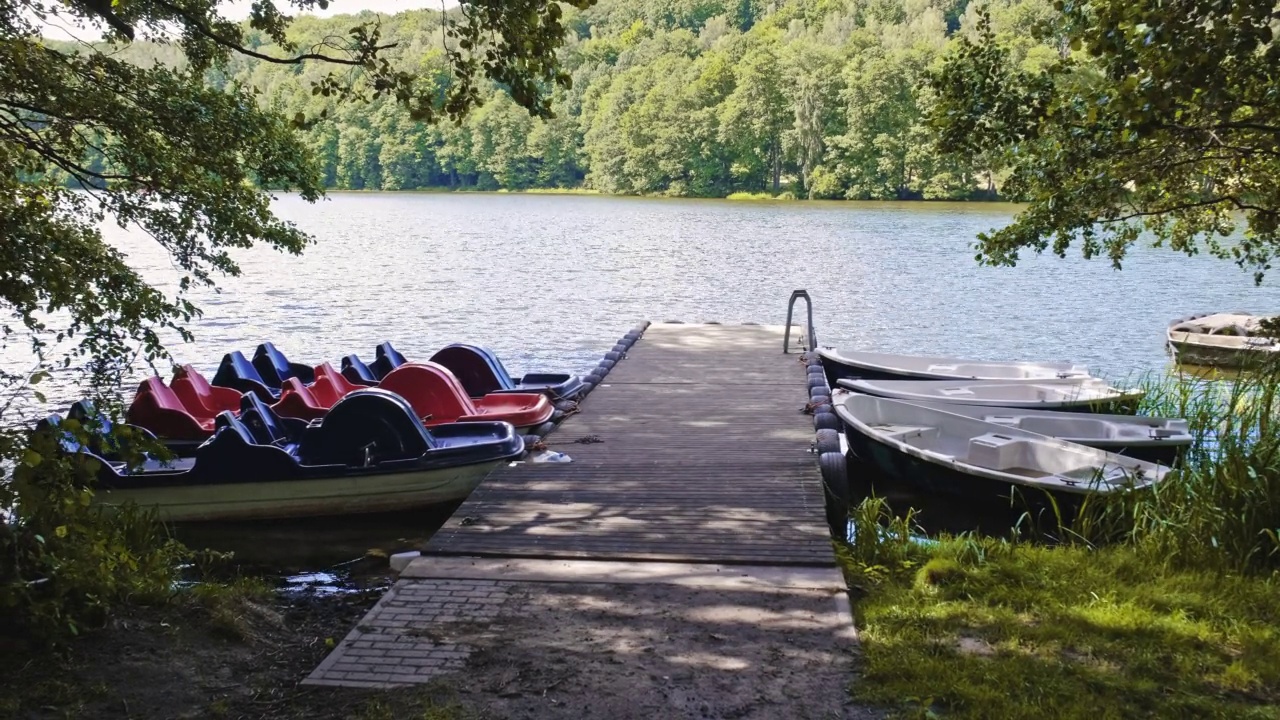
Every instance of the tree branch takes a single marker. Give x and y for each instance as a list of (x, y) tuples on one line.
[(203, 28)]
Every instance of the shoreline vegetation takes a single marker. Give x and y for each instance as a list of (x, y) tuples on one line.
[(1160, 605)]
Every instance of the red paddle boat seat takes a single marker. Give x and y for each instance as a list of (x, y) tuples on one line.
[(195, 392), (437, 396), (309, 402), (298, 401), (157, 408), (330, 386)]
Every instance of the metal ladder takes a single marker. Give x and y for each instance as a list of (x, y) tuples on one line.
[(809, 340)]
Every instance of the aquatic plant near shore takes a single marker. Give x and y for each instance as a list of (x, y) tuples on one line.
[(1221, 508)]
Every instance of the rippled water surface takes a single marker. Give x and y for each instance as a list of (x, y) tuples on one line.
[(550, 282)]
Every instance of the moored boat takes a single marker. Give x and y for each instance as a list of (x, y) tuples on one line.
[(1154, 439), (481, 373), (1225, 340), (859, 364), (1069, 394), (938, 452), (369, 454)]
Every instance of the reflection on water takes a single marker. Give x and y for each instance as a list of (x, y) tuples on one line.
[(319, 552)]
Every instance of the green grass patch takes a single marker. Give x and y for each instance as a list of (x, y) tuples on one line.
[(985, 628), (759, 196), (561, 191)]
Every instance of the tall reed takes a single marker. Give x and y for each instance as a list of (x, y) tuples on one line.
[(1221, 507)]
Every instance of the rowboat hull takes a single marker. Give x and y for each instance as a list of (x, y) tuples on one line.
[(295, 498), (865, 365), (939, 453), (1221, 340), (1077, 395)]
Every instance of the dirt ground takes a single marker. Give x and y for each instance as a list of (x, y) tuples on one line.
[(658, 651), (186, 661), (574, 651)]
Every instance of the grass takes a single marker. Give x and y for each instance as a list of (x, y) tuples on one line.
[(1159, 604), (759, 196), (983, 628)]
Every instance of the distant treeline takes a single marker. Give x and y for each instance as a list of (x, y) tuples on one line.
[(818, 98)]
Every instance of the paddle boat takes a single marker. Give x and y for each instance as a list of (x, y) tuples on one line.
[(183, 412), (370, 453), (1069, 394), (1223, 340), (481, 373), (437, 396), (940, 452), (859, 364), (1154, 439)]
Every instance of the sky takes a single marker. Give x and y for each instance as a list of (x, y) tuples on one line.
[(239, 9)]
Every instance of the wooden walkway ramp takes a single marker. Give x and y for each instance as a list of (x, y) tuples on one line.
[(693, 450), (679, 566)]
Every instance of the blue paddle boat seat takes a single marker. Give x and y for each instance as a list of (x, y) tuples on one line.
[(274, 368), (481, 373), (386, 359), (236, 372), (357, 372)]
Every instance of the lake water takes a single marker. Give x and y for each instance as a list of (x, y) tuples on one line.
[(550, 281)]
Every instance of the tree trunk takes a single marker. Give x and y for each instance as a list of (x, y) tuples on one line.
[(777, 165)]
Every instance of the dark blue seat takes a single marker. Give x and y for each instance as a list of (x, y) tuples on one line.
[(355, 371), (234, 456), (481, 373), (236, 372), (266, 427), (99, 430), (275, 368), (386, 359), (366, 427)]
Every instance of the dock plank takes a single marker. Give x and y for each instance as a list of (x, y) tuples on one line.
[(694, 449)]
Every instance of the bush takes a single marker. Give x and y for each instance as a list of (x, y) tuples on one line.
[(64, 561)]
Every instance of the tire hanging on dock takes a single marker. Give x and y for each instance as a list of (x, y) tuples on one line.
[(835, 480)]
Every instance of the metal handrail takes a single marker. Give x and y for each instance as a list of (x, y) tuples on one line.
[(811, 340)]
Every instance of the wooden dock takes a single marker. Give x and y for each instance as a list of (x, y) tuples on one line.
[(692, 511), (694, 449)]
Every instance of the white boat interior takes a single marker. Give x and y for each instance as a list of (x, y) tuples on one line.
[(953, 368), (997, 393), (976, 447), (1120, 429), (1225, 330)]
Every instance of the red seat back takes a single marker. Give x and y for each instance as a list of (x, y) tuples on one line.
[(156, 408), (196, 394), (330, 386), (431, 390), (297, 401)]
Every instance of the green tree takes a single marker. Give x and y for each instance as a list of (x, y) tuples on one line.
[(754, 116), (1158, 118), (185, 152)]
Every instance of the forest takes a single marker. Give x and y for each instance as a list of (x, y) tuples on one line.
[(701, 98)]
